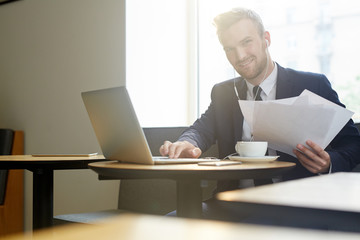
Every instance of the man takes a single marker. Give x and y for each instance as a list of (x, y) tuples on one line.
[(245, 42)]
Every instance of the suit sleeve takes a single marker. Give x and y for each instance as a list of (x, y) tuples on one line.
[(344, 149), (202, 133)]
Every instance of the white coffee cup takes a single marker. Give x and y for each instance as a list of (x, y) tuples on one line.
[(251, 148)]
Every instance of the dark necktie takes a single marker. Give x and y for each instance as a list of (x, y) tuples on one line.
[(256, 93)]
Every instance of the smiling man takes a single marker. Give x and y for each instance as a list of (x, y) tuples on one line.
[(245, 43), (246, 50)]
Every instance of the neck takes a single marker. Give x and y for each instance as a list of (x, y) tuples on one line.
[(267, 71)]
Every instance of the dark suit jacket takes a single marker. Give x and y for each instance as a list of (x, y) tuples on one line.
[(222, 122)]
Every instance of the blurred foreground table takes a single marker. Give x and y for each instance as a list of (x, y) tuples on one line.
[(142, 227), (329, 201)]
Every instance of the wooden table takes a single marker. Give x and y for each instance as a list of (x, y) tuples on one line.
[(188, 177), (326, 202), (43, 179), (142, 227)]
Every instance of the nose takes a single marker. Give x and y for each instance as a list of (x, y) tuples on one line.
[(239, 54)]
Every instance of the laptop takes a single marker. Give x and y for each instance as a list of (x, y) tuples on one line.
[(118, 130)]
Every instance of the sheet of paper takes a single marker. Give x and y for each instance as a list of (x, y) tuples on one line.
[(249, 107), (285, 123)]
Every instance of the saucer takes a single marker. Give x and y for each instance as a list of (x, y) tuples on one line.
[(254, 159)]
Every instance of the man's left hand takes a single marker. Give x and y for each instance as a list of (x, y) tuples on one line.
[(313, 157)]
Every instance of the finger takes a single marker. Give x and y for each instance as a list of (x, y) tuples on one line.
[(309, 167), (194, 152), (319, 150), (318, 155), (184, 150), (176, 149), (187, 150), (306, 162), (164, 149), (311, 154), (312, 165)]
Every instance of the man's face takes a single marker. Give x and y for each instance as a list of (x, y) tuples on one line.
[(246, 50)]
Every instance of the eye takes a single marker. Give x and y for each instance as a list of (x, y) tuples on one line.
[(247, 42), (227, 49)]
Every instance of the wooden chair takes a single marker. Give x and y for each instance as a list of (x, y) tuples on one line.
[(12, 204)]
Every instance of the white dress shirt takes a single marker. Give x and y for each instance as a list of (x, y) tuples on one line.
[(268, 92)]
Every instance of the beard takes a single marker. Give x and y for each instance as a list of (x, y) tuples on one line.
[(253, 73)]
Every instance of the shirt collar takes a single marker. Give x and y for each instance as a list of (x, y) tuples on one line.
[(266, 85)]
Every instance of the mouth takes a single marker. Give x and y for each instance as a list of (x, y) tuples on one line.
[(245, 62)]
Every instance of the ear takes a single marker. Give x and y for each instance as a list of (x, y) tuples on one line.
[(267, 38)]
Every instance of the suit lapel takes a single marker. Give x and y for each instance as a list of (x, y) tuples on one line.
[(284, 87), (238, 116)]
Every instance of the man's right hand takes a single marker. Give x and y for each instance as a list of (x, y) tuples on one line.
[(180, 149)]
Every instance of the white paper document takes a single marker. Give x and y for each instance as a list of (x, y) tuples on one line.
[(287, 122)]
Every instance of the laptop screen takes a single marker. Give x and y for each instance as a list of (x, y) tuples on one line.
[(116, 125)]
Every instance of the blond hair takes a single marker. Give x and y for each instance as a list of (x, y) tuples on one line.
[(224, 20)]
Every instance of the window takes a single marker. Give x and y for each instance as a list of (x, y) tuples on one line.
[(320, 39), (159, 63), (174, 57)]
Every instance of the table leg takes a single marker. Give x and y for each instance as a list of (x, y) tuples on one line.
[(43, 187), (189, 199)]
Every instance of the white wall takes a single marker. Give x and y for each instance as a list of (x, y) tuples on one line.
[(50, 51)]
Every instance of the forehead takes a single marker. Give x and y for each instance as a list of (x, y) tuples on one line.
[(239, 31)]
